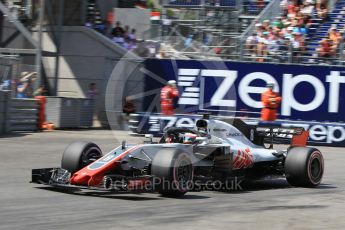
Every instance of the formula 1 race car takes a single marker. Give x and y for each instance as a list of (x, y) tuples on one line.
[(185, 159)]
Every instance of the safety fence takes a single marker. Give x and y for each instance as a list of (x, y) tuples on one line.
[(4, 111), (24, 114), (70, 112)]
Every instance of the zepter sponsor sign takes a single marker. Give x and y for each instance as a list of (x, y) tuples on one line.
[(308, 92)]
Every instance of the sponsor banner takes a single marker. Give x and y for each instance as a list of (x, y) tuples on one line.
[(326, 134), (309, 93), (156, 124)]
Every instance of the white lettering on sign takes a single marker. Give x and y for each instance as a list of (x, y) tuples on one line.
[(318, 132), (334, 80), (224, 87), (289, 101), (188, 80), (322, 133), (245, 89), (190, 94)]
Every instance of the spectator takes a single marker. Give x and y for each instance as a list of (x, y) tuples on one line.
[(41, 91), (308, 8), (278, 23), (92, 92), (265, 25), (133, 35), (258, 29), (322, 10), (206, 39), (24, 87), (284, 48), (188, 41), (102, 27), (117, 30), (324, 50), (129, 44), (298, 46), (89, 23), (273, 46), (126, 32), (118, 38), (251, 43), (288, 33), (262, 46), (333, 34), (161, 54), (128, 106)]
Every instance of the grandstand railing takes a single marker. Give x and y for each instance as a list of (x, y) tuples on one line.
[(271, 10), (203, 3)]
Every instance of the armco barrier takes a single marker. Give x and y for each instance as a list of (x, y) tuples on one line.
[(23, 115), (69, 112), (4, 111), (325, 134)]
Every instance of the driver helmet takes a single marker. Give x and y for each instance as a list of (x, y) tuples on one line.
[(189, 138), (202, 126)]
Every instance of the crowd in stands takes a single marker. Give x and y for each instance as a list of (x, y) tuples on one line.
[(123, 36), (287, 32), (329, 46)]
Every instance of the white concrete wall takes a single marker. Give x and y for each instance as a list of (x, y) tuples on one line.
[(86, 57)]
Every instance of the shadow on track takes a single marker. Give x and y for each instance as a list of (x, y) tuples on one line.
[(276, 184), (116, 195), (15, 134), (285, 207), (268, 184)]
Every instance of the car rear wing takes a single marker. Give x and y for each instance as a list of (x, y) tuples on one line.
[(297, 137)]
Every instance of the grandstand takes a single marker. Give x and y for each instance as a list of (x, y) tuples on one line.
[(213, 26), (228, 25)]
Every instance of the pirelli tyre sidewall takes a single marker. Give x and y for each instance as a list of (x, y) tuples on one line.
[(174, 171), (304, 167), (80, 154)]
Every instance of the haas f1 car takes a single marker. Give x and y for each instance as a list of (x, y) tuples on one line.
[(214, 151)]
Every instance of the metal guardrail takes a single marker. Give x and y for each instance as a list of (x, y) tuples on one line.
[(70, 112), (204, 3), (23, 115), (4, 111)]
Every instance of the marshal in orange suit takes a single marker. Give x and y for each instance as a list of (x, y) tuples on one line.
[(271, 101), (168, 93)]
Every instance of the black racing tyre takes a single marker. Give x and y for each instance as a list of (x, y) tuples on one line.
[(173, 170), (80, 154), (304, 167)]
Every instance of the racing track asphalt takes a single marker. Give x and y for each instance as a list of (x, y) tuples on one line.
[(263, 205)]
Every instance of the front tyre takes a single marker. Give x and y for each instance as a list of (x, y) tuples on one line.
[(173, 170), (80, 154), (304, 167)]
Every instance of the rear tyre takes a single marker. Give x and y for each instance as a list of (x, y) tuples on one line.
[(304, 167), (173, 170), (80, 154)]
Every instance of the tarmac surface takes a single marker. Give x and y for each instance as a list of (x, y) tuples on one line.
[(263, 205)]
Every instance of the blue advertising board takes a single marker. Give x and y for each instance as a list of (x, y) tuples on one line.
[(326, 134), (309, 93)]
